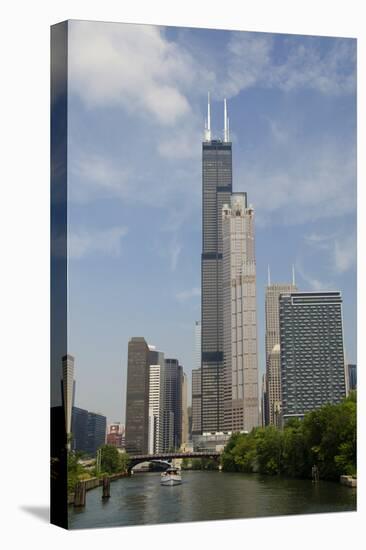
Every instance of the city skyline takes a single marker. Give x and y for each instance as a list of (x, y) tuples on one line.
[(151, 223)]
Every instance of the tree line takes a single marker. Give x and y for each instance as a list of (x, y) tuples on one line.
[(325, 438), (112, 462)]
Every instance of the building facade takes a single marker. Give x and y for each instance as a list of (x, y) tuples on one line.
[(196, 402), (185, 421), (312, 351), (96, 436), (272, 343), (197, 345), (68, 389), (79, 429), (264, 406), (137, 398), (240, 400), (216, 191), (173, 382), (352, 376), (115, 434), (156, 408)]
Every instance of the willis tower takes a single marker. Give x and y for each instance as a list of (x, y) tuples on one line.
[(216, 191)]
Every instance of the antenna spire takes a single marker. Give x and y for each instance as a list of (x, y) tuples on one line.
[(269, 276), (208, 122), (226, 123), (293, 275)]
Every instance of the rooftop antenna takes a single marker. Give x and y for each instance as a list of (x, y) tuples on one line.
[(226, 126), (293, 275), (208, 123), (269, 276)]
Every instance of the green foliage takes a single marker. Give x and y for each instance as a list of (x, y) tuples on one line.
[(203, 464), (74, 470), (325, 437), (124, 462), (112, 461)]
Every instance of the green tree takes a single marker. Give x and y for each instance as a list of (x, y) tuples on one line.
[(330, 434), (295, 455), (269, 450), (112, 461), (124, 461), (325, 437), (74, 470)]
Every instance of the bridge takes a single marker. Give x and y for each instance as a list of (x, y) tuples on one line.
[(137, 459)]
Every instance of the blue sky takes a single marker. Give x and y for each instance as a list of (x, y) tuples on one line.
[(137, 103)]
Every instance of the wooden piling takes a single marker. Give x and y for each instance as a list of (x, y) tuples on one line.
[(106, 487), (80, 494)]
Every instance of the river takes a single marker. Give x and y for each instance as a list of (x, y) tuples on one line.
[(204, 495)]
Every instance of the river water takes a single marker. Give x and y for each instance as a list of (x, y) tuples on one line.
[(141, 500)]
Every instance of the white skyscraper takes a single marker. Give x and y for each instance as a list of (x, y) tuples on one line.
[(241, 406), (155, 441)]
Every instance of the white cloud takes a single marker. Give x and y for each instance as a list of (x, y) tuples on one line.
[(159, 82), (305, 182), (249, 57), (83, 242), (340, 249), (185, 295), (94, 174), (304, 64), (313, 282), (133, 66), (345, 253), (174, 253)]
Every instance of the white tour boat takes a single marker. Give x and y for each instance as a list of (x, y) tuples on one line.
[(171, 476)]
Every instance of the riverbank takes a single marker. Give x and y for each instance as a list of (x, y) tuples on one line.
[(94, 482)]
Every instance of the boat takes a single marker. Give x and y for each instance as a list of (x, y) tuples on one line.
[(171, 476)]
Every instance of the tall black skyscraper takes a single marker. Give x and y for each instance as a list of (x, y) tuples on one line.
[(216, 191), (173, 381)]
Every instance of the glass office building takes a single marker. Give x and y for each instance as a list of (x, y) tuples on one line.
[(312, 351)]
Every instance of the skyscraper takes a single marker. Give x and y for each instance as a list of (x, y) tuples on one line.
[(196, 402), (185, 426), (312, 351), (196, 383), (68, 389), (88, 431), (137, 399), (156, 406), (173, 382), (197, 344), (241, 405), (272, 343), (352, 376), (97, 427), (264, 407), (216, 191), (79, 429)]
